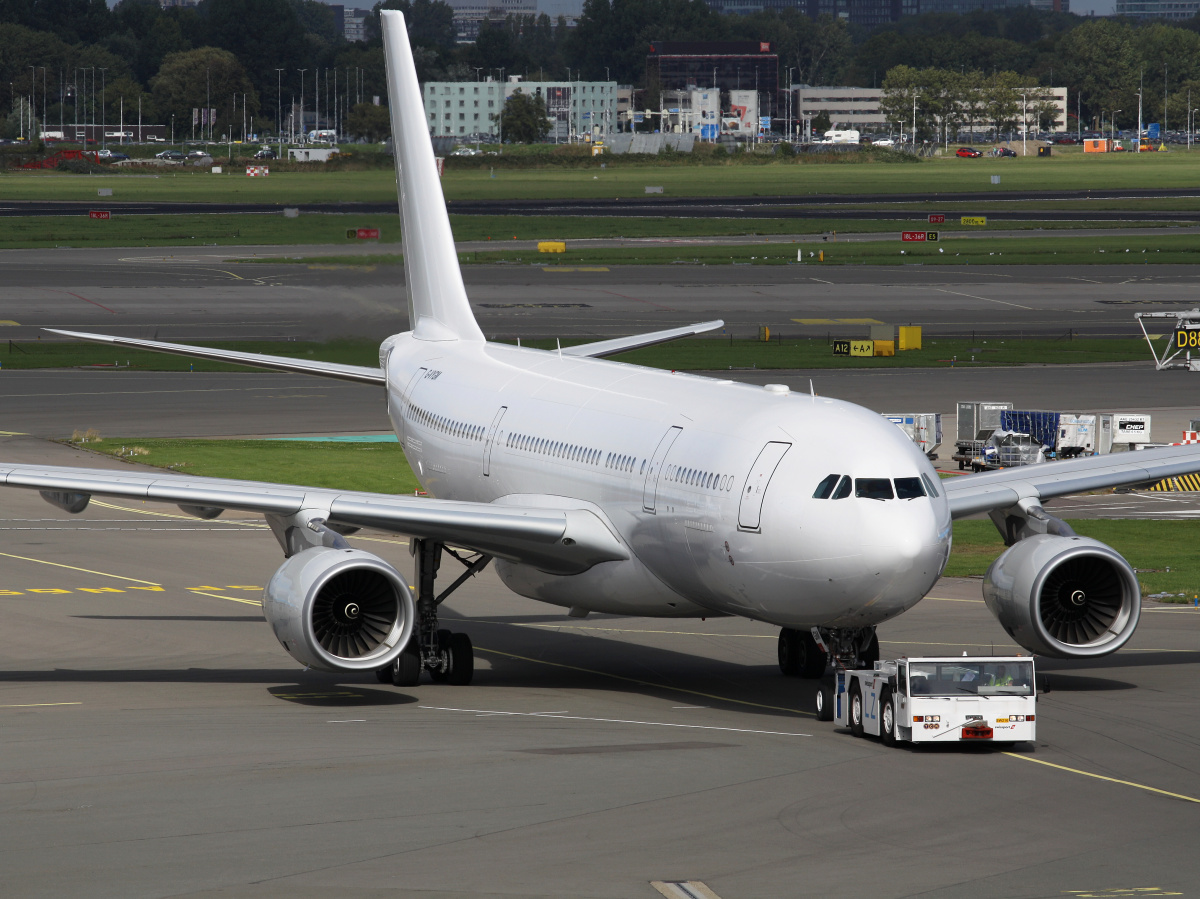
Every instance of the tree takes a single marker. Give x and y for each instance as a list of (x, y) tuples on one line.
[(524, 118), (197, 78), (369, 122)]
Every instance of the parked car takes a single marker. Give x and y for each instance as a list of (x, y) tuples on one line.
[(266, 153), (198, 154), (1005, 151), (884, 142), (172, 155), (968, 152), (110, 156)]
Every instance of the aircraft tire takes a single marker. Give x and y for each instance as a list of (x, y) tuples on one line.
[(811, 659), (462, 661), (789, 651), (406, 670)]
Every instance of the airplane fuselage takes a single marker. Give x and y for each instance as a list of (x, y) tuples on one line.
[(710, 484)]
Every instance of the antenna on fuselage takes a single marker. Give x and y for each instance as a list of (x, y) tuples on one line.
[(558, 343), (811, 390)]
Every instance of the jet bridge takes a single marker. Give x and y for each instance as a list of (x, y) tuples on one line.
[(1183, 348)]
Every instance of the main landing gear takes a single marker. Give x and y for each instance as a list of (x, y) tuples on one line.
[(809, 654), (448, 657)]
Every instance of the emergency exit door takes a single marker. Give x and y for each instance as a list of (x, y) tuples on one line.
[(755, 490)]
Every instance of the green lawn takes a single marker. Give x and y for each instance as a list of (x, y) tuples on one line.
[(587, 180), (374, 467), (189, 230), (1149, 546), (693, 354)]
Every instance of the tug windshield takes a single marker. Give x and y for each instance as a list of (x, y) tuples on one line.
[(1006, 678)]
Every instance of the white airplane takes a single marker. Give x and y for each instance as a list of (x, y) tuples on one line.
[(606, 487)]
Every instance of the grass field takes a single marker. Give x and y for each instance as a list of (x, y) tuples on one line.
[(189, 230), (695, 354), (1151, 547), (935, 177), (382, 468), (374, 467)]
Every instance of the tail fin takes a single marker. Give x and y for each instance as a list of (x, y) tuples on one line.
[(438, 308)]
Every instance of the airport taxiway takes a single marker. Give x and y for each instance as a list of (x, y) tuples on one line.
[(205, 294), (156, 741)]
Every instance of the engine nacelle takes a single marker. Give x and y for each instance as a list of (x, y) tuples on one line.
[(1068, 597), (340, 609)]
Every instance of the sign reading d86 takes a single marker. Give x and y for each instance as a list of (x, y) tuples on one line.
[(1187, 339)]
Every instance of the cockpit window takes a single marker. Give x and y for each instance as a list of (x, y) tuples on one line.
[(825, 488), (909, 488), (873, 488), (843, 488), (933, 491)]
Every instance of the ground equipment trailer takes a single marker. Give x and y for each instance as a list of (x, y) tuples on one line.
[(971, 699)]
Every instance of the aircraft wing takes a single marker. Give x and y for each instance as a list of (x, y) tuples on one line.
[(983, 492), (558, 540), (359, 373), (603, 348)]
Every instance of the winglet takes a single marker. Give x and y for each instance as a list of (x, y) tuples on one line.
[(438, 308)]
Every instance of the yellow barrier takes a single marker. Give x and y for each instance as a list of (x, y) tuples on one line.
[(885, 347), (552, 246), (910, 337)]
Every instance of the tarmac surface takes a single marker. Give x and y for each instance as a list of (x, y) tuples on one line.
[(156, 741), (204, 294)]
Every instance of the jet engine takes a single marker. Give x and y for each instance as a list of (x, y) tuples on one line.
[(340, 609), (1067, 597)]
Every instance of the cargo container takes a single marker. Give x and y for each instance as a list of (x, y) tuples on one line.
[(1120, 431), (923, 428), (976, 421)]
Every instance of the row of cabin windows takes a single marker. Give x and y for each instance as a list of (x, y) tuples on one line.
[(840, 486), (448, 425), (694, 477), (545, 447)]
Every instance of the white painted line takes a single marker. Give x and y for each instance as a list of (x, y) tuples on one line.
[(349, 721), (736, 730), (985, 299)]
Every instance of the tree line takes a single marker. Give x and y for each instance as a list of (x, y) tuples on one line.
[(173, 60)]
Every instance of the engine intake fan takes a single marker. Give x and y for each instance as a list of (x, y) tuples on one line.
[(1068, 597), (339, 609)]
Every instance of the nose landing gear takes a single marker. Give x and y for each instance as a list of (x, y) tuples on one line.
[(448, 657)]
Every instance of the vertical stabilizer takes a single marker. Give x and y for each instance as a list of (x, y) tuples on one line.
[(438, 308)]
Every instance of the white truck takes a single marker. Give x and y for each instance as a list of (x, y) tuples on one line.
[(967, 699)]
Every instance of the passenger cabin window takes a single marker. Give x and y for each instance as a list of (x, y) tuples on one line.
[(909, 488), (873, 488)]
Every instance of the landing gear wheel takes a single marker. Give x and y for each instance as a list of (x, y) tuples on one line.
[(462, 661), (825, 701), (856, 710), (812, 660), (789, 651), (406, 670), (384, 675), (887, 719), (870, 655), (439, 676)]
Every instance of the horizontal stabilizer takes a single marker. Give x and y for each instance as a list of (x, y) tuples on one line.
[(359, 373), (624, 344)]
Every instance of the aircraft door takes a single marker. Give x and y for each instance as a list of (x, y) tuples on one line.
[(750, 508), (650, 490), (491, 439)]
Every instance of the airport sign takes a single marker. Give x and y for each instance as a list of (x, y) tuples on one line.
[(973, 220)]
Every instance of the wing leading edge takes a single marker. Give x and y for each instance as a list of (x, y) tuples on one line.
[(971, 494), (358, 373), (557, 540)]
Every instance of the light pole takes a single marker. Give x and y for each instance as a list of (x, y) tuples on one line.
[(103, 120), (302, 71), (1024, 123), (1112, 124), (914, 128), (172, 129), (791, 88)]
